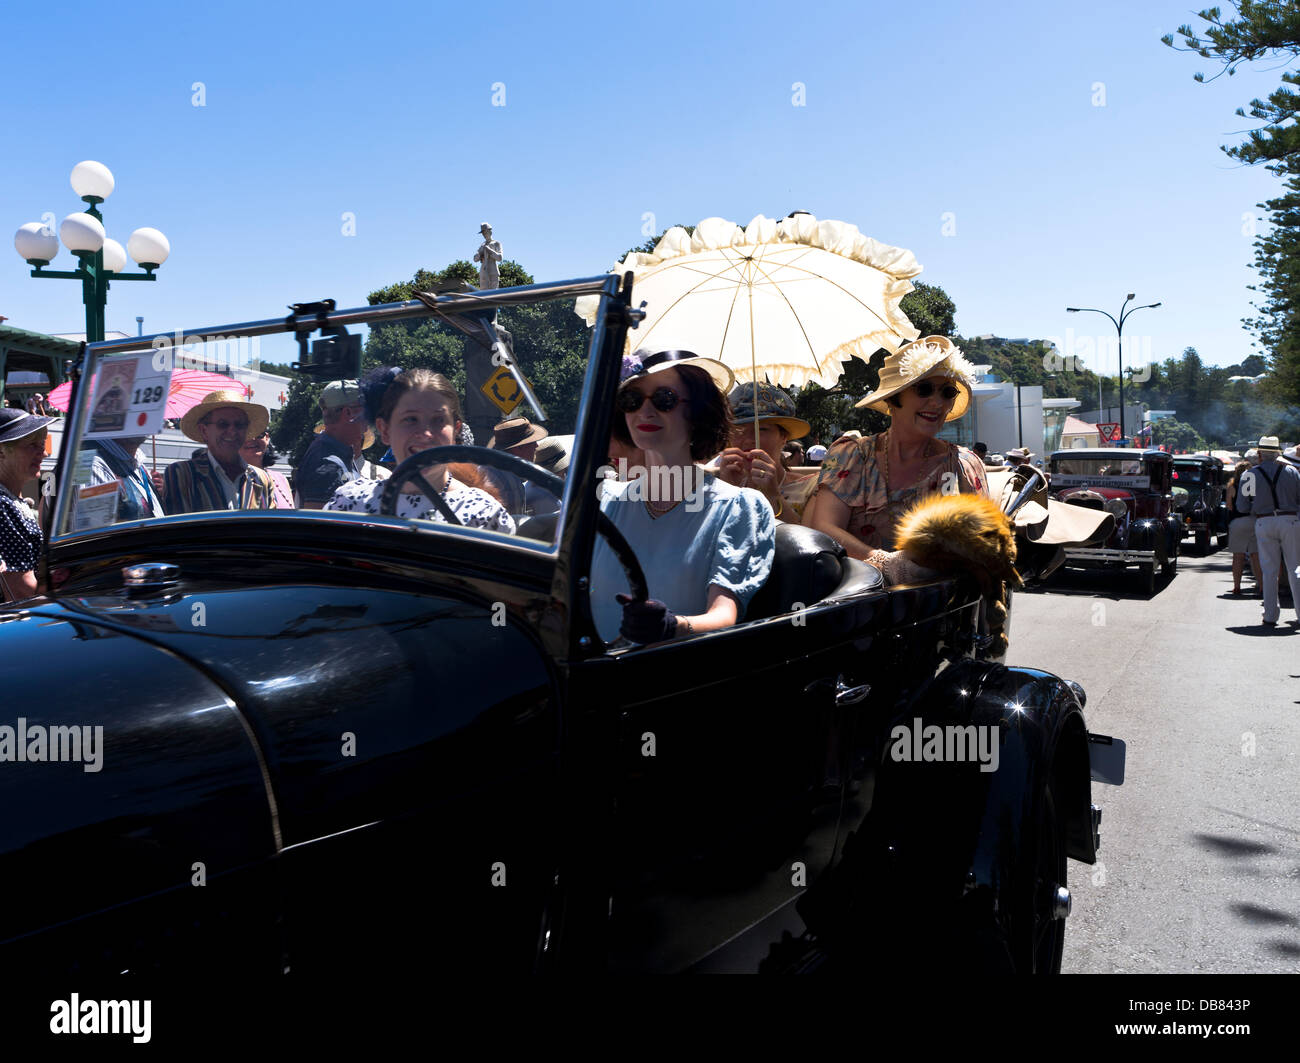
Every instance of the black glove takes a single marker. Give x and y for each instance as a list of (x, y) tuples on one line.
[(645, 622)]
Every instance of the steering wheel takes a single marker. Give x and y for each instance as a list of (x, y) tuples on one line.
[(409, 471)]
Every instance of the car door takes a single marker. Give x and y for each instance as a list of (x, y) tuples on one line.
[(724, 781)]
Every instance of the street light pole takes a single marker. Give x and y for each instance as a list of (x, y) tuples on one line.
[(1119, 330), (99, 258)]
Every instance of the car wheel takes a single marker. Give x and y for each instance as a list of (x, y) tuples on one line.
[(1050, 907), (1203, 541), (1170, 567)]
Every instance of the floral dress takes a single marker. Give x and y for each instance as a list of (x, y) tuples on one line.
[(472, 507), (851, 471)]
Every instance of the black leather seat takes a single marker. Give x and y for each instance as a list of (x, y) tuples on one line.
[(809, 566)]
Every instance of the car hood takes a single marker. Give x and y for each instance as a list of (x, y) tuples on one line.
[(115, 755), (342, 681)]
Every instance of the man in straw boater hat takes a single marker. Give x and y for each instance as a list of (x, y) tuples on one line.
[(218, 477), (1271, 492)]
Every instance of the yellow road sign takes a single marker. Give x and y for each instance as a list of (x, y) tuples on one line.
[(503, 390)]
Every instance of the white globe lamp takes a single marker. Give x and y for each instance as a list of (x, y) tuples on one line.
[(36, 243), (149, 248), (82, 233), (114, 257), (92, 181)]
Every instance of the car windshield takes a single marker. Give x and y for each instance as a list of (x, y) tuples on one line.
[(1188, 475), (1094, 466), (181, 425)]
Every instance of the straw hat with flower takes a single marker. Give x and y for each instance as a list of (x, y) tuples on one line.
[(930, 356)]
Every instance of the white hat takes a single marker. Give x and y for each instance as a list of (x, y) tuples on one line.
[(816, 452), (1268, 443)]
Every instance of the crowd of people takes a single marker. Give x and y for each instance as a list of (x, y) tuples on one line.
[(682, 423), (722, 460)]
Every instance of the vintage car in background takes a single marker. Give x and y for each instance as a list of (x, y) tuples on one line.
[(1135, 486), (348, 743), (1200, 495)]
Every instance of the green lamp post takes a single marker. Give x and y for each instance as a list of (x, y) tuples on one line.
[(100, 259)]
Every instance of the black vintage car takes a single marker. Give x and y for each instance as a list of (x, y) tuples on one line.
[(334, 742), (1200, 495)]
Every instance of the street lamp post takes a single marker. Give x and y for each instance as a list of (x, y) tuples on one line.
[(99, 258), (1119, 329)]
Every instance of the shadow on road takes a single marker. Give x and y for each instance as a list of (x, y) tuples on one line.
[(1226, 846), (1260, 631)]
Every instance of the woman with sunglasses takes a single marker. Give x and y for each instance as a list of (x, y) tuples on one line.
[(706, 547), (866, 484)]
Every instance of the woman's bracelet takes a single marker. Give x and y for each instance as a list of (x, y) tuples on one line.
[(684, 627)]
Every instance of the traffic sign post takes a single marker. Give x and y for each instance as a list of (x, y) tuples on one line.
[(504, 390)]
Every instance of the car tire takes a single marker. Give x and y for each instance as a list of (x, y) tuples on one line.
[(1051, 869), (1203, 542)]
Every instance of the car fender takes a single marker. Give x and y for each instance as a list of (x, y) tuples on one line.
[(946, 838)]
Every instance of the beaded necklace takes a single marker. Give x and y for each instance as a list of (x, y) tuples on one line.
[(884, 458)]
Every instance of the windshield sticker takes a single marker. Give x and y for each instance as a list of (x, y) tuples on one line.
[(1083, 480), (96, 506), (129, 399)]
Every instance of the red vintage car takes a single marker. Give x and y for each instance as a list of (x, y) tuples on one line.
[(1136, 487)]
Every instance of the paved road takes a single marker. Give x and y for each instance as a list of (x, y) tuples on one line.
[(1200, 862)]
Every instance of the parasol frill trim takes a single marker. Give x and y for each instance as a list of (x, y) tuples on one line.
[(838, 237)]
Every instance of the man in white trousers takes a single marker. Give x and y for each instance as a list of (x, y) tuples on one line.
[(1271, 491)]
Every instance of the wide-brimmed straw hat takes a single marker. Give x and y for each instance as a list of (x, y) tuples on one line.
[(258, 415), (930, 356), (773, 406), (1268, 443), (515, 432), (641, 362), (19, 424)]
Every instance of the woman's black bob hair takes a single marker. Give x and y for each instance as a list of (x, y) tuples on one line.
[(709, 416)]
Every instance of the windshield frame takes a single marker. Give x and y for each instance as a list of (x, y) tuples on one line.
[(459, 305)]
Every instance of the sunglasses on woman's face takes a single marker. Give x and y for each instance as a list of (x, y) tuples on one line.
[(662, 399), (926, 388)]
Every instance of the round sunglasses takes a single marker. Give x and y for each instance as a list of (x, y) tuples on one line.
[(662, 399), (926, 388)]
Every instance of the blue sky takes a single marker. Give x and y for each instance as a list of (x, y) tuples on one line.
[(913, 113)]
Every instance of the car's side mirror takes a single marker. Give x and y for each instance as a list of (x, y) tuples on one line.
[(335, 356)]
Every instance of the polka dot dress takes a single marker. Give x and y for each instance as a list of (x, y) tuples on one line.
[(473, 508), (20, 535)]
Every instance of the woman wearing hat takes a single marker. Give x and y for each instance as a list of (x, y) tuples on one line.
[(762, 469), (219, 478), (414, 411), (22, 446), (706, 547), (865, 485)]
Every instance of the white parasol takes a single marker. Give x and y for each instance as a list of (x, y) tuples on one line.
[(789, 300)]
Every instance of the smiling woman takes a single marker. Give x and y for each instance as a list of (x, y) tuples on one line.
[(865, 485), (415, 411), (22, 446)]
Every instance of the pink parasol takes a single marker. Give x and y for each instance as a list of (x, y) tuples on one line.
[(188, 388)]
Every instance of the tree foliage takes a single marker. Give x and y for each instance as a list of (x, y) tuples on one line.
[(1176, 435), (1266, 30)]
